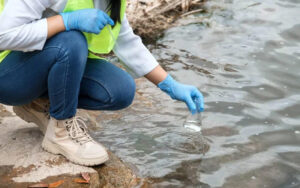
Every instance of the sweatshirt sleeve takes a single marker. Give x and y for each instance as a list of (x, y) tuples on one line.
[(21, 26), (132, 52)]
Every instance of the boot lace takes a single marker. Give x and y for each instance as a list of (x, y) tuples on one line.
[(78, 130)]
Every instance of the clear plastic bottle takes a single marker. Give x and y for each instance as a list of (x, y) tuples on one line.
[(196, 142), (194, 121)]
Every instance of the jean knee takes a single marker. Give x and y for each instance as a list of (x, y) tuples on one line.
[(126, 92), (74, 45), (74, 40)]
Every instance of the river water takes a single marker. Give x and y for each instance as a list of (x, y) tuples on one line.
[(244, 56)]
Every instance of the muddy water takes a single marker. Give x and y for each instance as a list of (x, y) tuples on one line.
[(245, 58)]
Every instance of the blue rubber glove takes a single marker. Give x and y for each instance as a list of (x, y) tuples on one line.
[(186, 93), (86, 20)]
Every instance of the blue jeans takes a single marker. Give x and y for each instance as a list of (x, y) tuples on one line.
[(63, 72)]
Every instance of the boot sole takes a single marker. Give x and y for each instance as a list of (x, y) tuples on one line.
[(55, 149), (27, 116)]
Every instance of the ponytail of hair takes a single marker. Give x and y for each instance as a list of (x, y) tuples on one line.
[(115, 7)]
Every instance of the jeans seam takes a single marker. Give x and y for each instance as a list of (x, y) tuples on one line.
[(66, 77), (66, 74)]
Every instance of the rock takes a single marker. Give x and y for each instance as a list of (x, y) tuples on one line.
[(24, 162), (115, 173)]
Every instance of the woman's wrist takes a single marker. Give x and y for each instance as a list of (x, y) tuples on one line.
[(55, 25), (157, 75), (166, 85), (65, 17)]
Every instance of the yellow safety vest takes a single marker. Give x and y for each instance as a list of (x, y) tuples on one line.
[(6, 52), (102, 43)]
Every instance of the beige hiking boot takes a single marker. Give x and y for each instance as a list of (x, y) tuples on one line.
[(35, 112), (70, 138)]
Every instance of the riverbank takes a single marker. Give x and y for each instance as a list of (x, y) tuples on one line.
[(24, 162), (151, 18)]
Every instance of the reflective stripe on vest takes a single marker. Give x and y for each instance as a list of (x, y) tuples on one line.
[(3, 54), (102, 43)]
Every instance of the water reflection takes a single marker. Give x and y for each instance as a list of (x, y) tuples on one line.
[(244, 56)]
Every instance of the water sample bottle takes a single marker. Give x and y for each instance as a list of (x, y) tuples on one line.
[(194, 121)]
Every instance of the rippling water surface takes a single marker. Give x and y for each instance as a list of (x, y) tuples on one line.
[(244, 55)]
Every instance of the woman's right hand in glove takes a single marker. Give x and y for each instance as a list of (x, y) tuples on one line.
[(86, 20)]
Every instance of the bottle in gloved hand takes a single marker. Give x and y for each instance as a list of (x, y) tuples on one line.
[(194, 121), (188, 94)]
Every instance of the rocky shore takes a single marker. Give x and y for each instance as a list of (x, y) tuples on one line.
[(24, 162)]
